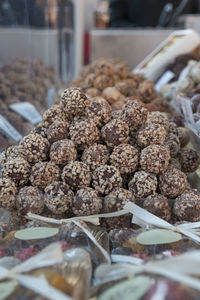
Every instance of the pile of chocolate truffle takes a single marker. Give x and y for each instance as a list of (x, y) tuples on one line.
[(111, 79), (83, 159)]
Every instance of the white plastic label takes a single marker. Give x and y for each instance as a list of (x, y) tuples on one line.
[(187, 110), (165, 78), (7, 129), (27, 111), (184, 73)]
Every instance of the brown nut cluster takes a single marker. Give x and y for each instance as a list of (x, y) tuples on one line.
[(147, 91), (8, 193), (143, 184), (125, 158), (73, 101), (95, 156), (43, 173), (151, 134), (9, 153), (58, 197), (154, 159), (86, 202), (115, 132), (158, 205), (106, 178), (55, 113), (189, 159), (30, 199), (62, 152), (157, 117), (99, 111), (187, 207), (172, 182), (58, 130)]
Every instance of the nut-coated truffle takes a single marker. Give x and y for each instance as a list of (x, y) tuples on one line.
[(172, 183), (76, 174), (158, 205), (8, 192), (154, 158), (157, 117), (95, 156), (173, 144), (151, 134), (115, 133), (143, 184), (58, 130), (30, 199), (147, 91), (55, 113), (10, 153), (99, 110), (125, 158), (62, 152), (58, 197), (43, 173), (73, 100), (106, 178), (189, 159), (86, 202)]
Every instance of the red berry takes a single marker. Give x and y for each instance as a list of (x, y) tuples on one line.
[(26, 253)]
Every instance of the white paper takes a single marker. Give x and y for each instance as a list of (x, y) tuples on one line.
[(27, 111), (7, 129), (165, 78)]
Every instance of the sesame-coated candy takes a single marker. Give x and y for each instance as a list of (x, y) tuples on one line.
[(149, 134), (8, 192), (58, 130), (55, 113), (30, 199), (157, 117), (95, 156), (62, 152), (99, 110), (115, 133), (143, 184), (158, 205), (73, 101), (10, 153)]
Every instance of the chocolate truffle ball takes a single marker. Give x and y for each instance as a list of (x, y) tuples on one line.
[(111, 94), (18, 170), (62, 152), (157, 117), (86, 202), (187, 207), (43, 173), (183, 134), (58, 130), (92, 92), (84, 134), (106, 178), (125, 158), (115, 133), (173, 128), (154, 158), (9, 153), (172, 182), (73, 101), (173, 144), (58, 197), (189, 159), (115, 201), (30, 199), (143, 184), (103, 81), (151, 134), (34, 147), (134, 114), (158, 205), (95, 156), (76, 174), (55, 113), (147, 91), (8, 192), (99, 110)]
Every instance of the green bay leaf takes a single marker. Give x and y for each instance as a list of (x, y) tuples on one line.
[(34, 233), (158, 236)]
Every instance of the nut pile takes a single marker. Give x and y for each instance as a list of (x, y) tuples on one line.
[(81, 160)]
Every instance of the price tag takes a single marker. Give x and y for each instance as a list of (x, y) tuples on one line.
[(165, 78), (7, 129), (27, 111)]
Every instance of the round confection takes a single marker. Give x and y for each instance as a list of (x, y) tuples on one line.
[(40, 129), (92, 92), (62, 152), (174, 162), (89, 80), (9, 153), (125, 158), (151, 134), (43, 173), (158, 205), (55, 113), (86, 202), (58, 130), (143, 184), (84, 134), (157, 117), (18, 170), (76, 174), (172, 182), (106, 178), (111, 94), (8, 192), (95, 156), (173, 128), (187, 207), (116, 114), (30, 199), (99, 110), (115, 133), (34, 147), (115, 201), (183, 134), (134, 114), (103, 81), (147, 91), (58, 197), (173, 144), (189, 159), (73, 100), (154, 158)]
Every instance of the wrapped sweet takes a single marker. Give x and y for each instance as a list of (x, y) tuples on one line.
[(58, 130), (115, 132), (43, 173), (143, 184), (95, 156), (62, 152), (29, 199)]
